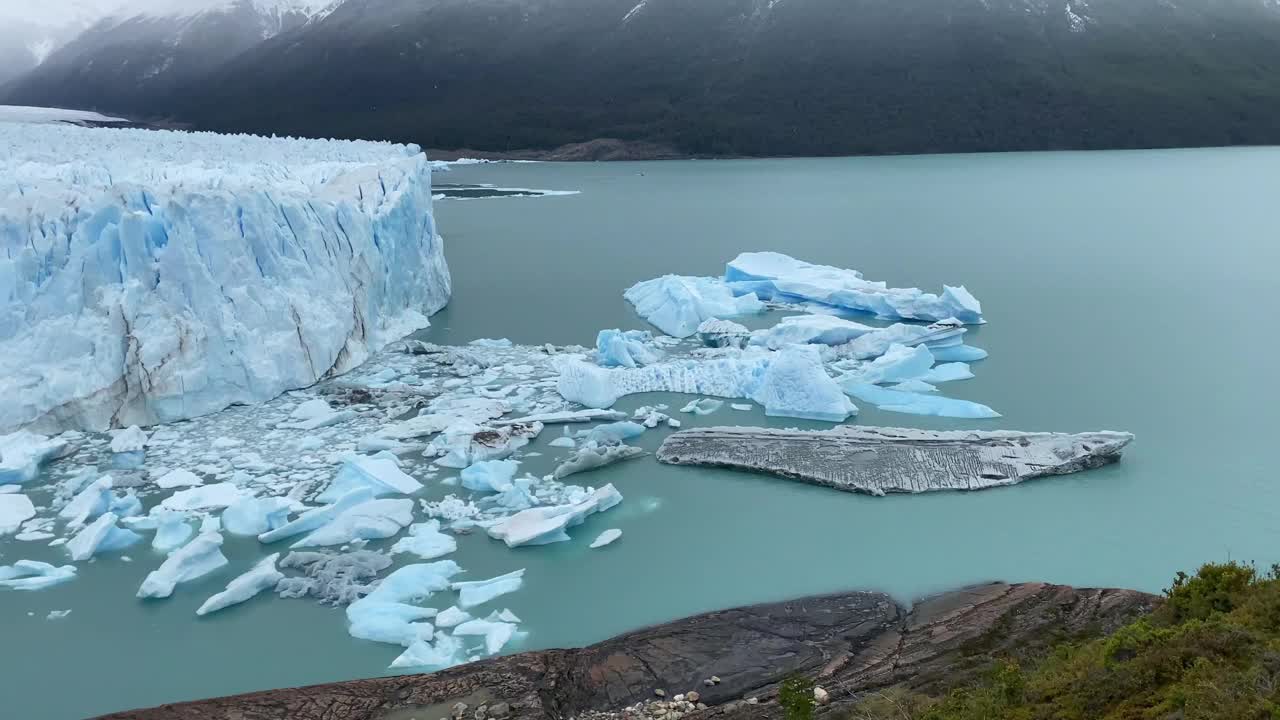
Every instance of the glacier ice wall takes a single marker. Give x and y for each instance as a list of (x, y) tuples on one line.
[(151, 276)]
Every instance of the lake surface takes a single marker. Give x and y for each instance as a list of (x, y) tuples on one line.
[(1124, 290)]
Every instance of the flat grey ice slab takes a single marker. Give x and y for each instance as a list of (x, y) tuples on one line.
[(880, 460)]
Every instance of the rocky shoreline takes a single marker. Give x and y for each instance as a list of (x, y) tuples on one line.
[(727, 663)]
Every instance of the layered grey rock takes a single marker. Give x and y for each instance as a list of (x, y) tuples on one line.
[(879, 460)]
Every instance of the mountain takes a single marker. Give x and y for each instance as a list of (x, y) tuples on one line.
[(726, 77), (30, 31)]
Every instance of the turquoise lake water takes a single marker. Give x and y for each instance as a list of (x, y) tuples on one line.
[(1124, 290)]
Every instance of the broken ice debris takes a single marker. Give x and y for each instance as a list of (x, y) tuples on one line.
[(315, 414), (426, 541), (102, 535), (568, 416), (677, 305), (317, 517), (254, 516), (445, 651), (723, 333), (34, 575), (178, 478), (605, 538), (632, 348), (892, 460), (262, 576), (190, 562), (22, 453), (388, 614), (917, 403), (611, 433), (381, 474), (496, 634), (590, 458), (471, 594), (451, 617), (774, 276), (465, 444), (705, 406), (205, 497)]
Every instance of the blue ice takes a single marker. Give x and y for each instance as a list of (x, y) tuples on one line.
[(389, 613), (471, 594), (313, 519), (611, 433), (426, 541), (34, 575), (677, 304), (490, 475), (254, 516), (917, 404), (262, 576), (370, 520), (102, 535), (381, 474), (616, 348), (189, 562)]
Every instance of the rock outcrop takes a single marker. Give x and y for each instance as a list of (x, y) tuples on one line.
[(733, 659)]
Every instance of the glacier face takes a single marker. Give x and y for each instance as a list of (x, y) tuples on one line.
[(149, 276)]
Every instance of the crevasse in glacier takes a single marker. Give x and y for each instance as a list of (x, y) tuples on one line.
[(151, 276)]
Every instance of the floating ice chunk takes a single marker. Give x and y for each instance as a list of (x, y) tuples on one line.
[(705, 406), (740, 407), (605, 538), (959, 353), (544, 525), (426, 541), (102, 535), (22, 453), (615, 348), (451, 509), (14, 510), (7, 489), (917, 404), (451, 617), (57, 614), (382, 475), (89, 503), (34, 575), (463, 445), (677, 305), (445, 652), (490, 475), (190, 562), (448, 413), (948, 372), (388, 615), (564, 441), (471, 594), (315, 414), (898, 364), (179, 478), (590, 458), (612, 433), (370, 520), (782, 277), (915, 386), (795, 384), (939, 335), (129, 440), (810, 329), (205, 497), (496, 634), (332, 579), (723, 333), (263, 576), (255, 516), (173, 530)]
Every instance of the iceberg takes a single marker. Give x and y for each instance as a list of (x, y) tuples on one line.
[(370, 520), (723, 333), (388, 614), (452, 617), (263, 576), (14, 510), (465, 444), (798, 386), (898, 364), (705, 406), (445, 652), (948, 372), (250, 516), (774, 276), (916, 403), (190, 562), (34, 575), (382, 475), (605, 538), (178, 478), (479, 592), (545, 525), (129, 440), (959, 353), (937, 336), (205, 497), (102, 535), (677, 304), (89, 503), (426, 541), (810, 329), (615, 348), (496, 634), (152, 276), (490, 475), (22, 453), (612, 433), (317, 517), (173, 530)]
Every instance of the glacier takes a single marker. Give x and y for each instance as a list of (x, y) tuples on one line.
[(774, 276), (151, 276)]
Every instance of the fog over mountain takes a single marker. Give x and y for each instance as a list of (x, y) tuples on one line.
[(751, 77)]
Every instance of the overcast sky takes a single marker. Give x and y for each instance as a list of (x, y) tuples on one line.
[(61, 12)]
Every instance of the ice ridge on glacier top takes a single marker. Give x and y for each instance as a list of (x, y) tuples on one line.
[(149, 276)]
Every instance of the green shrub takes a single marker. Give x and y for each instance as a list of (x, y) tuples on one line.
[(796, 698)]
